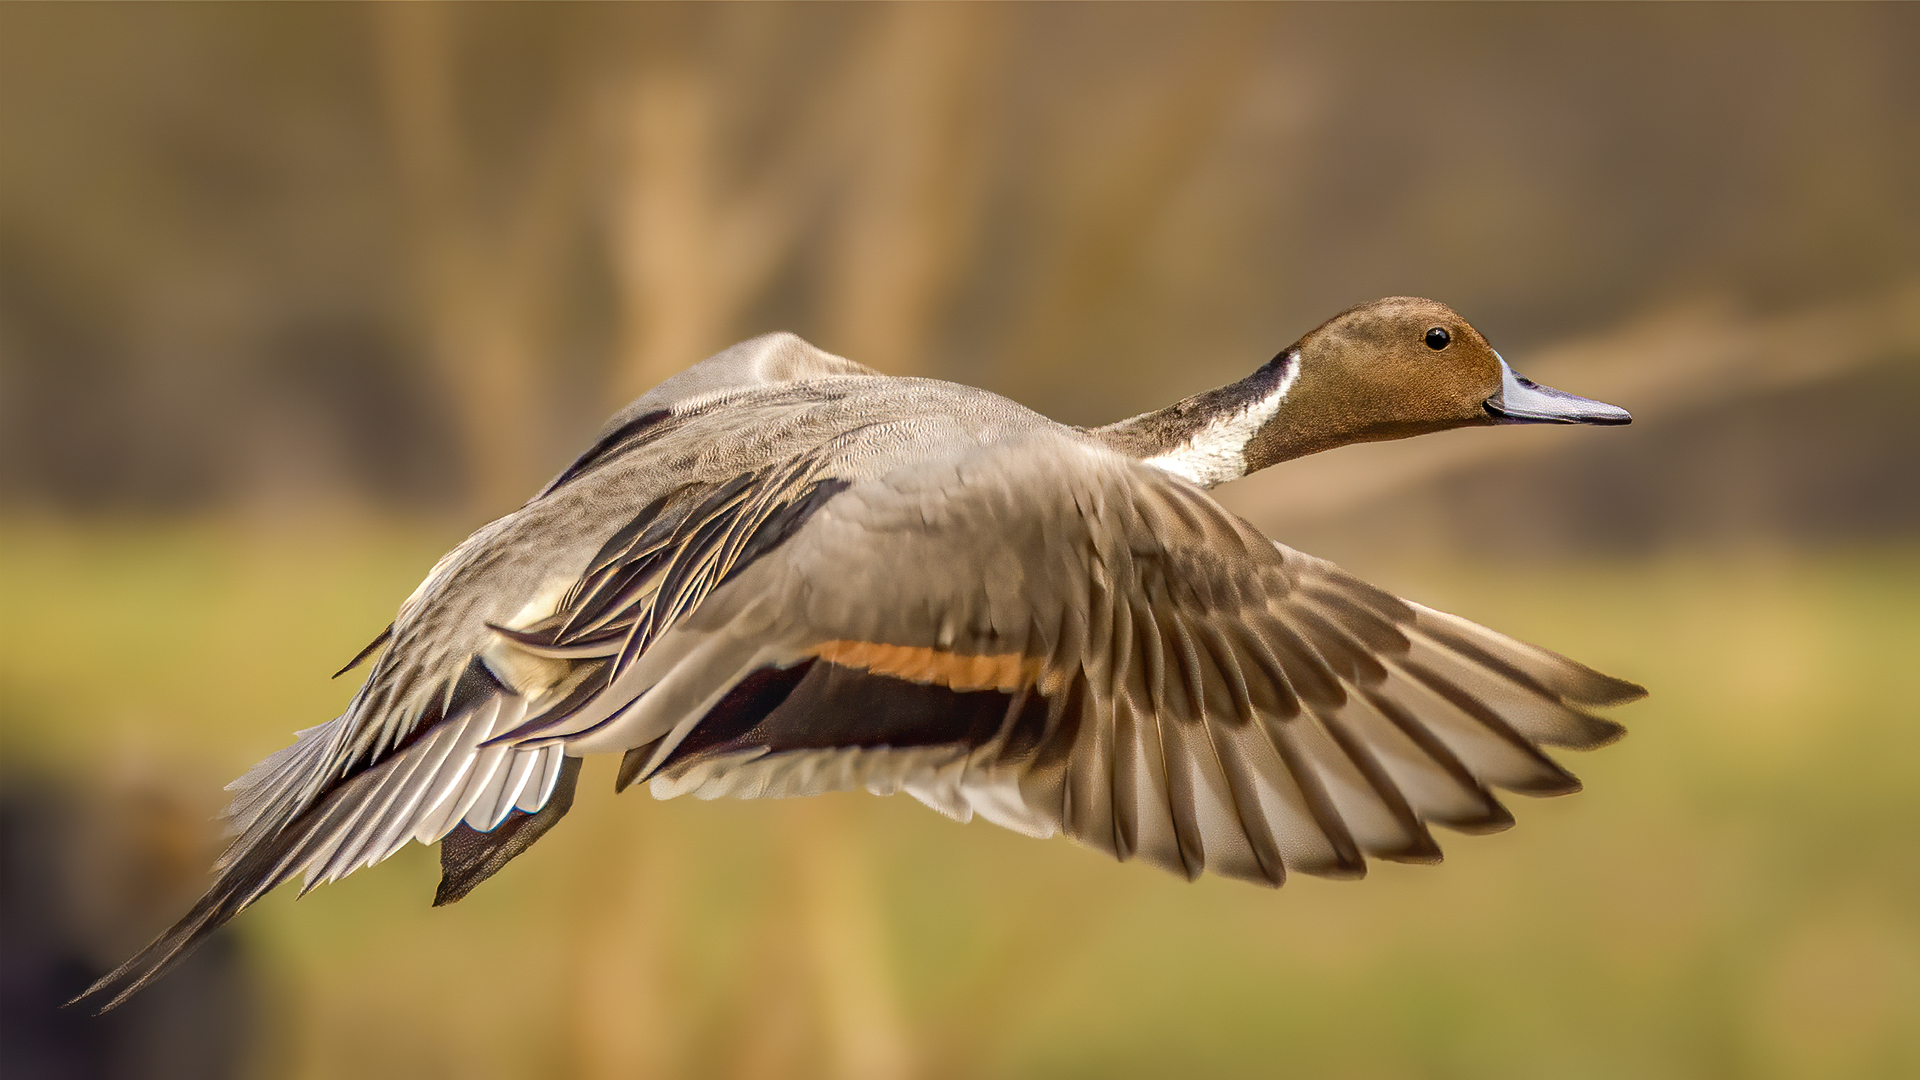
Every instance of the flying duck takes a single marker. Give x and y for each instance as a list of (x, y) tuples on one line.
[(782, 573)]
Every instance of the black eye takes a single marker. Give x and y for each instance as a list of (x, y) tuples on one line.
[(1438, 338)]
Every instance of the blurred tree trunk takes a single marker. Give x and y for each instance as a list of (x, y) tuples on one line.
[(909, 217), (866, 1036), (878, 162), (693, 242), (627, 1011), (488, 289), (1107, 203)]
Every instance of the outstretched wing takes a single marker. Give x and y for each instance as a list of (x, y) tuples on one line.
[(1063, 639), (425, 755), (416, 759)]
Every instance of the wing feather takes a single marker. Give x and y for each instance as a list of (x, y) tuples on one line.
[(1214, 700), (540, 788)]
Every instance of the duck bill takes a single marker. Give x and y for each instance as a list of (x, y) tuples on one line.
[(1520, 400)]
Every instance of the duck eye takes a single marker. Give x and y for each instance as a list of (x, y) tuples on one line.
[(1438, 338)]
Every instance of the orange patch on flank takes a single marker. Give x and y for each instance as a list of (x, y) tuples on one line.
[(1002, 671)]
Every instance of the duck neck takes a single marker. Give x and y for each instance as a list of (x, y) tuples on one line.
[(1217, 436)]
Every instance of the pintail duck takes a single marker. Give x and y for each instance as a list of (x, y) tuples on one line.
[(782, 573)]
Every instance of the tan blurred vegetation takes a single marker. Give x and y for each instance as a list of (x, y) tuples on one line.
[(292, 297)]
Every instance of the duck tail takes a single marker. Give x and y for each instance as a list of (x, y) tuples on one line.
[(277, 836), (243, 880), (225, 900)]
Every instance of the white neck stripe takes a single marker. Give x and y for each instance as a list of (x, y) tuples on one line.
[(1217, 452)]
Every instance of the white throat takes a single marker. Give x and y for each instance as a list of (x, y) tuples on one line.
[(1217, 452)]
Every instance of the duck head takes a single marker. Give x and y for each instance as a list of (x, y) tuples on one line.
[(1384, 370), (1405, 366)]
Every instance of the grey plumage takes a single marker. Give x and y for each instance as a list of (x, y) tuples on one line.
[(780, 573)]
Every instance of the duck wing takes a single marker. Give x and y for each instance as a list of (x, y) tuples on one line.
[(768, 360), (427, 750), (418, 755), (1061, 638)]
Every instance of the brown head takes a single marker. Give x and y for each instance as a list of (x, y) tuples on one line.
[(1385, 370), (1398, 367)]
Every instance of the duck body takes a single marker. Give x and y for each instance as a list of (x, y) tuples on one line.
[(781, 573)]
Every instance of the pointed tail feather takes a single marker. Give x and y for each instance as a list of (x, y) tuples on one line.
[(245, 876)]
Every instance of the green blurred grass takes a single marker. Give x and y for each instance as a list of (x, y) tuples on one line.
[(1737, 893)]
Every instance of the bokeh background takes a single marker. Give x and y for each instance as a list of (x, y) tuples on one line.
[(293, 297)]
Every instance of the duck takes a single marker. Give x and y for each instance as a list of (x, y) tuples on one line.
[(781, 573)]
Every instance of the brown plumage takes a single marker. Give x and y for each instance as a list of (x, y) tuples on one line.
[(780, 573)]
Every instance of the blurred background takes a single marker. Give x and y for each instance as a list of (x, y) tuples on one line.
[(294, 297)]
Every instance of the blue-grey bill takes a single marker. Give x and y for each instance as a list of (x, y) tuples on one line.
[(1523, 401)]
